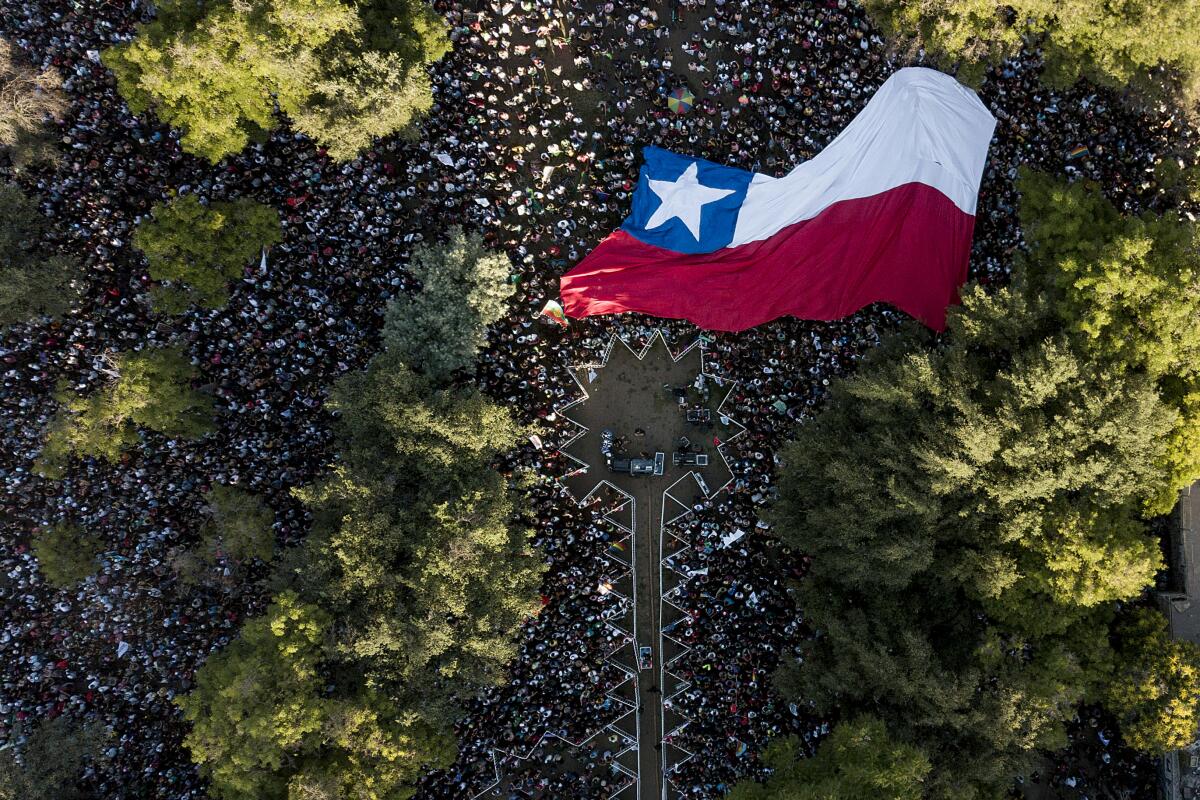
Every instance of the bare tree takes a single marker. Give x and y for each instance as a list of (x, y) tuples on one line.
[(28, 99)]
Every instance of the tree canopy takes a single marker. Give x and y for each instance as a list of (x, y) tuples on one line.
[(65, 554), (418, 552), (152, 389), (1155, 691), (29, 99), (264, 728), (858, 760), (464, 289), (415, 519), (53, 759), (219, 71), (198, 248), (1128, 289), (31, 282), (1147, 44), (239, 525), (974, 507)]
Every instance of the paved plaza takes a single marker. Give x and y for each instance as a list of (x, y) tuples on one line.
[(650, 405)]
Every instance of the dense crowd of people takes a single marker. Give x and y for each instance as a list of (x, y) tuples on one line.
[(534, 139)]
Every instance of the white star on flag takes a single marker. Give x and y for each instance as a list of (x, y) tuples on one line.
[(683, 198)]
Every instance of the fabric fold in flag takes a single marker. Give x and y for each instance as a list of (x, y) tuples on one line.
[(885, 213)]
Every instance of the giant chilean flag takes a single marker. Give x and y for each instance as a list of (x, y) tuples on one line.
[(884, 213)]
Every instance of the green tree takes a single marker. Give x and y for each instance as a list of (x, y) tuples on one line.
[(1018, 455), (266, 727), (29, 98), (434, 593), (52, 762), (258, 702), (373, 750), (415, 520), (977, 699), (417, 553), (240, 525), (1129, 285), (1177, 177), (859, 759), (152, 389), (430, 438), (974, 505), (198, 248), (31, 283), (1147, 44), (464, 289), (380, 91), (65, 554), (1129, 289), (1155, 692), (219, 71)]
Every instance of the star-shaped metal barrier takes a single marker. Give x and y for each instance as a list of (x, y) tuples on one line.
[(630, 403), (645, 402), (667, 400), (618, 734)]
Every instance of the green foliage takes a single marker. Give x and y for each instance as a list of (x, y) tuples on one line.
[(415, 520), (200, 248), (974, 697), (240, 525), (433, 593), (218, 71), (218, 75), (52, 761), (30, 283), (65, 554), (1155, 692), (371, 97), (410, 29), (1147, 44), (152, 390), (859, 759), (1026, 460), (28, 99), (1178, 178), (257, 702), (416, 552), (1129, 285), (394, 423), (974, 508), (239, 530), (264, 728), (440, 329), (1129, 289), (373, 751)]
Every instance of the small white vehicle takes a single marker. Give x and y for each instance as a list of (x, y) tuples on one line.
[(645, 657)]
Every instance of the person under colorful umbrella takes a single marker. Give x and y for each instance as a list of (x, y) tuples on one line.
[(681, 100)]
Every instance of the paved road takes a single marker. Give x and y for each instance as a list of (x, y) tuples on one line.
[(629, 396), (649, 591)]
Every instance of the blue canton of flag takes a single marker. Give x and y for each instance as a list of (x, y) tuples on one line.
[(685, 204)]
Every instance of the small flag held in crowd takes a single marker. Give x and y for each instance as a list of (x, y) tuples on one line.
[(555, 312), (617, 546), (1078, 152)]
